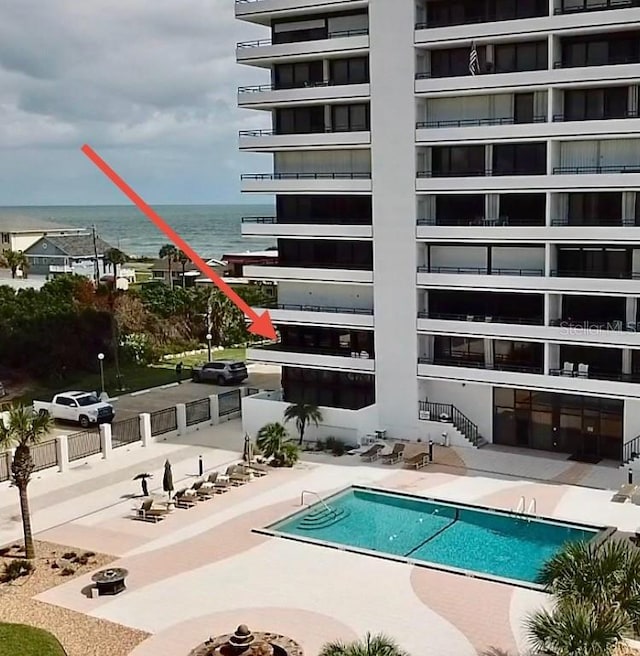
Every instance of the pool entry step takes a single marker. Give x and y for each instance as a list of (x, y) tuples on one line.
[(323, 518)]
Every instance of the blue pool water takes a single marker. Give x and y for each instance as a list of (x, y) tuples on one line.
[(472, 539)]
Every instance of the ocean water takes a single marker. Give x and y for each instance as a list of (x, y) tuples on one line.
[(211, 230), (512, 547)]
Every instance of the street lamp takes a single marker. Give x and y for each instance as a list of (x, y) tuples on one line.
[(209, 338), (100, 360)]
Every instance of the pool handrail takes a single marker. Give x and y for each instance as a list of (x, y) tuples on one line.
[(320, 499)]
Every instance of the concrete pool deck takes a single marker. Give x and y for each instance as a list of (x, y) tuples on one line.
[(202, 571)]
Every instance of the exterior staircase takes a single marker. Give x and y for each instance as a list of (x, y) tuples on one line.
[(447, 413), (631, 451)]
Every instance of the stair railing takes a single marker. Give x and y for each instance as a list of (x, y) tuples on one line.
[(467, 427), (630, 450), (320, 499)]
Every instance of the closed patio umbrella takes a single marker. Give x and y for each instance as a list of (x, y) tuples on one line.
[(247, 453), (167, 479)]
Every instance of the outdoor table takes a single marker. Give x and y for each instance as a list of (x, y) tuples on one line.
[(110, 581)]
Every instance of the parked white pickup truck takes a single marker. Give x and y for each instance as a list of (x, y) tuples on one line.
[(84, 408)]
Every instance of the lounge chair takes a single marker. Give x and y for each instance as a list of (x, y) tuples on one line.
[(395, 455), (372, 453), (417, 461), (625, 493), (237, 476), (184, 500), (202, 492), (214, 484), (246, 468), (147, 512)]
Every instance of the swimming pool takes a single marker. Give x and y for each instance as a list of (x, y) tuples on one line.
[(462, 538)]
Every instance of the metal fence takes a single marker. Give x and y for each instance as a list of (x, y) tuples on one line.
[(5, 466), (198, 411), (125, 432), (44, 455), (164, 421), (228, 403), (84, 444)]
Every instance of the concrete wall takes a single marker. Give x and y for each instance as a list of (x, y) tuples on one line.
[(631, 419), (393, 117), (348, 425)]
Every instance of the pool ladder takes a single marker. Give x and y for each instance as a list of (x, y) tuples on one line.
[(532, 508), (320, 499)]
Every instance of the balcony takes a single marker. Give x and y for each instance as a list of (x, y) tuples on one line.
[(500, 364), (444, 316), (257, 11), (579, 6), (597, 170), (269, 226), (345, 42), (313, 357), (312, 273), (273, 183), (494, 129), (480, 271), (272, 140), (268, 95), (321, 315)]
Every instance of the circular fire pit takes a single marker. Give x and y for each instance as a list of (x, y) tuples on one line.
[(110, 581), (247, 643)]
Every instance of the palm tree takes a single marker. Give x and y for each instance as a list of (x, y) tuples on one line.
[(577, 629), (23, 429), (372, 645), (183, 259), (270, 439), (304, 414), (603, 576), (115, 257), (170, 253), (14, 260)]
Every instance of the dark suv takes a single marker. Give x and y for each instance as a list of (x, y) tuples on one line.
[(222, 372)]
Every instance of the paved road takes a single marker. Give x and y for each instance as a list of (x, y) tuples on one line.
[(131, 405)]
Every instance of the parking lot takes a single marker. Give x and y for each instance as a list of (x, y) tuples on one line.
[(130, 405)]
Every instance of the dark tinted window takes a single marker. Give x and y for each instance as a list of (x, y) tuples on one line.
[(349, 71), (350, 118), (288, 76), (300, 120), (450, 62), (520, 159), (347, 210), (458, 160), (585, 104), (326, 253)]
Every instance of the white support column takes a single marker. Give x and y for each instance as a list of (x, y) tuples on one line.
[(181, 416), (626, 361), (105, 440), (632, 309), (145, 428), (62, 453), (546, 358), (489, 353), (215, 409)]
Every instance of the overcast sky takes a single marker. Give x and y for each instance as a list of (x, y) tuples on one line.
[(150, 84)]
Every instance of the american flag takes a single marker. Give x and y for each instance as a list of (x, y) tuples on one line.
[(474, 68)]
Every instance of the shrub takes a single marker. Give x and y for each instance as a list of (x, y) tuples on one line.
[(81, 560), (89, 554), (70, 555), (339, 448), (4, 551), (330, 443), (16, 569), (67, 571), (320, 445)]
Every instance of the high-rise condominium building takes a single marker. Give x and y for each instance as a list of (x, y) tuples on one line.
[(457, 190)]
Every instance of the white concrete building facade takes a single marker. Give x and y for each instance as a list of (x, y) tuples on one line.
[(457, 192)]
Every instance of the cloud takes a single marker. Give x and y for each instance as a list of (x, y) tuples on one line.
[(152, 82)]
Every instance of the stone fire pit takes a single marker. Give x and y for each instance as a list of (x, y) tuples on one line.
[(245, 643)]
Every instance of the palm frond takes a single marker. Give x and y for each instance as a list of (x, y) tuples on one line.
[(371, 645)]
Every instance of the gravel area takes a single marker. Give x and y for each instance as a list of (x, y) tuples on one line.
[(80, 635)]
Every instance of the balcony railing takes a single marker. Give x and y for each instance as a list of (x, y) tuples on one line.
[(477, 122), (428, 75), (596, 374), (479, 173), (452, 361), (482, 318), (305, 85), (590, 223), (306, 176), (575, 273), (474, 20), (260, 219), (330, 309), (299, 221), (501, 221), (500, 364), (559, 118), (316, 350), (279, 133), (321, 264), (572, 7), (612, 61), (481, 271), (609, 168), (330, 35)]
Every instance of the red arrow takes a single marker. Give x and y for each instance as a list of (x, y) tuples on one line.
[(260, 324)]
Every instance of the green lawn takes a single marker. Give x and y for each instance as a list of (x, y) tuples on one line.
[(192, 360), (23, 640)]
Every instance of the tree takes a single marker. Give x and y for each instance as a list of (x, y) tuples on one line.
[(372, 645), (577, 629), (183, 259), (115, 257), (170, 253), (304, 414), (23, 429), (14, 260), (270, 439), (596, 591)]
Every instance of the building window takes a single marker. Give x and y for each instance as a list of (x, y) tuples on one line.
[(350, 118), (454, 350), (442, 13), (5, 238), (300, 120), (600, 50), (595, 208), (520, 159), (301, 74), (349, 71), (594, 104), (459, 209), (586, 262), (458, 161), (326, 253), (450, 63), (517, 57), (339, 210)]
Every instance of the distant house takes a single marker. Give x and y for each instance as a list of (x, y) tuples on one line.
[(53, 255), (18, 233), (160, 271), (237, 261)]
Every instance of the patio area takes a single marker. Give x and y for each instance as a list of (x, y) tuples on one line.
[(201, 572)]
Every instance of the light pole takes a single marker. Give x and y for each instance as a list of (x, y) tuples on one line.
[(209, 337), (100, 360)]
